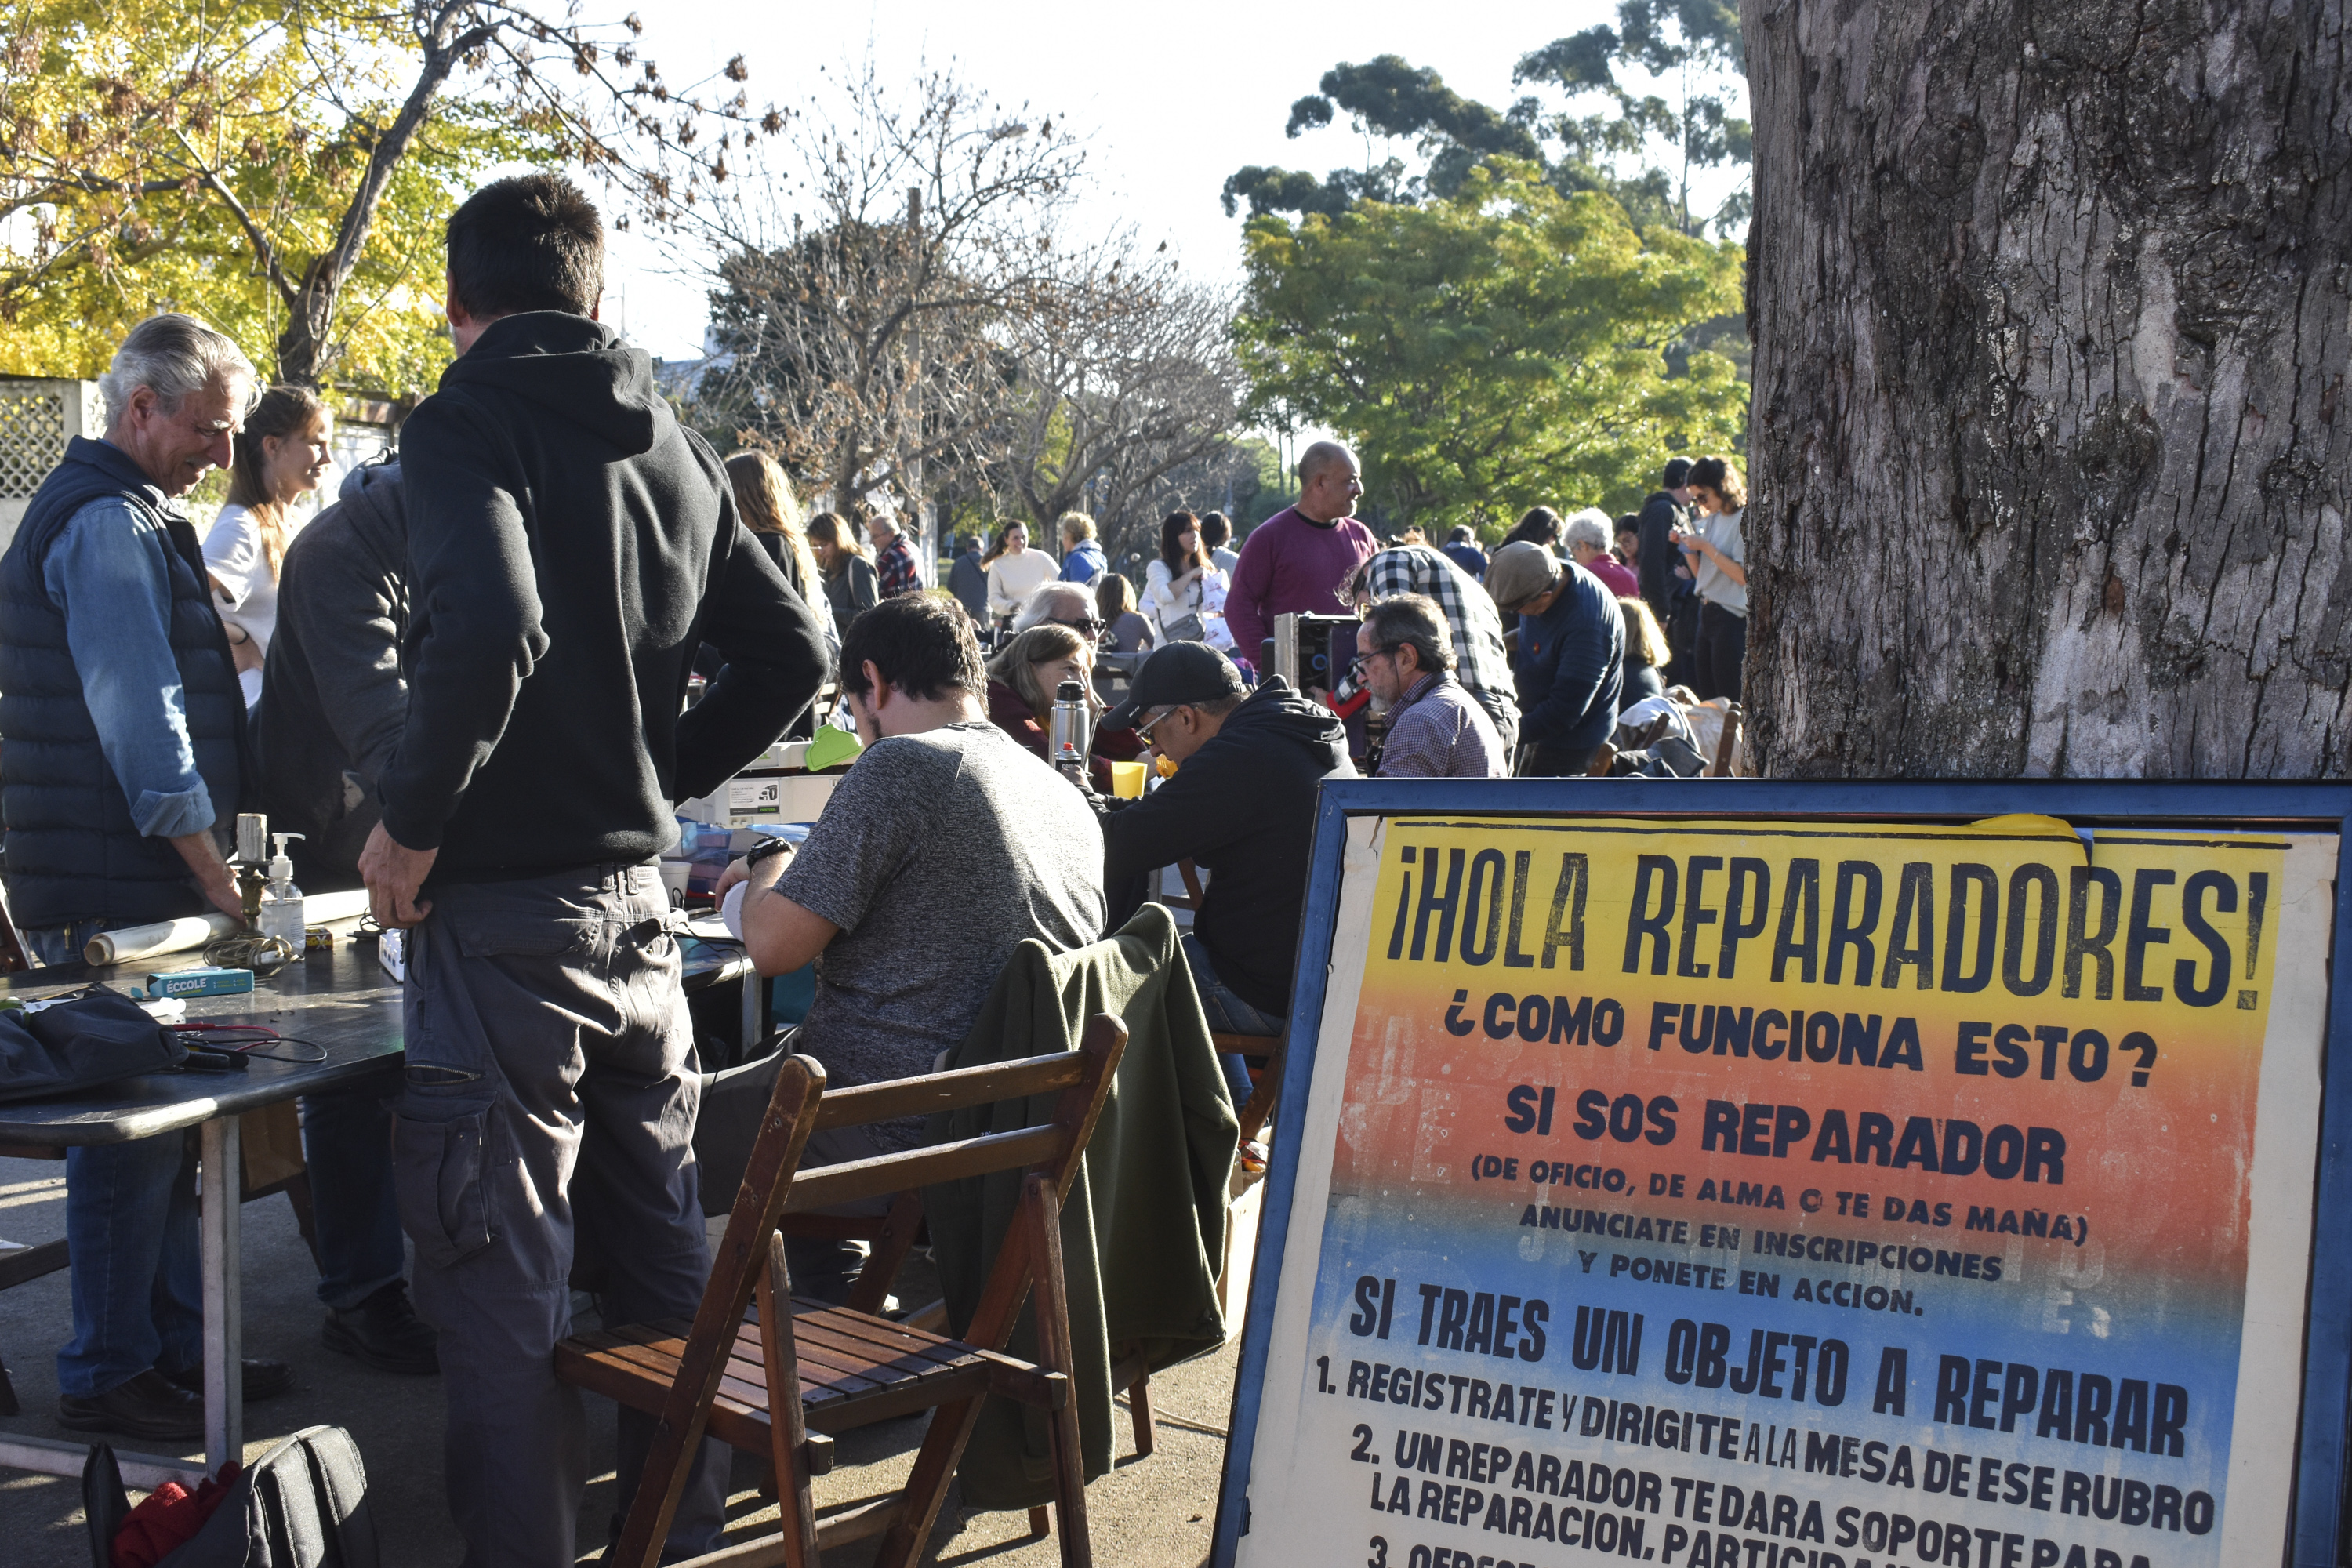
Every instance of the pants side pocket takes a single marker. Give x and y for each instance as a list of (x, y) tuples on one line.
[(439, 1179)]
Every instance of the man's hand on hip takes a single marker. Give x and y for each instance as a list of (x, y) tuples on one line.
[(393, 872)]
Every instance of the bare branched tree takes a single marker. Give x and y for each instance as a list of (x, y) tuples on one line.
[(860, 325), (1126, 377)]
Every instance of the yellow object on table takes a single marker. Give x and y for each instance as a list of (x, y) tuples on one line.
[(1127, 781)]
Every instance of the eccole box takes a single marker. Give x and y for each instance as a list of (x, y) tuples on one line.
[(206, 981)]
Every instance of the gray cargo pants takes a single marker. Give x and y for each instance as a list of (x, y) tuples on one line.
[(549, 1107)]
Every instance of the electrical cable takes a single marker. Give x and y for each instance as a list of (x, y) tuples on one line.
[(264, 955), (261, 1034)]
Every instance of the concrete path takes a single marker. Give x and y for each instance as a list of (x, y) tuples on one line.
[(1156, 1513)]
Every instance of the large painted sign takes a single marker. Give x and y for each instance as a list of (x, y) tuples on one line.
[(1774, 1192)]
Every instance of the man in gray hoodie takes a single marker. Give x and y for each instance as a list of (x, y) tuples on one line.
[(332, 703)]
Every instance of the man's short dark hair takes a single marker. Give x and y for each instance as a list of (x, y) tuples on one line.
[(1677, 474), (1461, 534), (922, 644), (533, 242), (1216, 529)]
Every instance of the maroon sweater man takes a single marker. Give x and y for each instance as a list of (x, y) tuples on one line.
[(1297, 561)]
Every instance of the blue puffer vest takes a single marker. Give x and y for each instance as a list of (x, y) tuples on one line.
[(73, 853)]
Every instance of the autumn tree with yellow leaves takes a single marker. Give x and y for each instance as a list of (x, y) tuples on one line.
[(283, 170)]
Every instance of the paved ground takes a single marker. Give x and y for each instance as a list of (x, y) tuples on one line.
[(1154, 1514)]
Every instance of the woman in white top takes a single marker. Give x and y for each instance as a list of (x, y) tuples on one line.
[(1184, 591), (1015, 572), (277, 457), (1718, 558)]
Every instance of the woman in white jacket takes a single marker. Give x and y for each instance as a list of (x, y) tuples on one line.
[(1184, 591), (1014, 572)]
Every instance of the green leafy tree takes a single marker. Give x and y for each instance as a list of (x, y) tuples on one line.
[(1501, 347), (1669, 78), (282, 171), (1690, 50)]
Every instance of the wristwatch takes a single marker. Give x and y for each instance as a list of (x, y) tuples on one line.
[(766, 849)]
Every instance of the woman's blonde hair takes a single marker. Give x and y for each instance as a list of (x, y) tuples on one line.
[(1642, 629), (283, 412), (763, 494), (1016, 662), (832, 528)]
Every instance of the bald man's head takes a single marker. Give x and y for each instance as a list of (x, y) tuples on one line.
[(1328, 482), (1321, 456)]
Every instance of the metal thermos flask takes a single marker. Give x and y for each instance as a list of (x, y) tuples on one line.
[(1072, 734)]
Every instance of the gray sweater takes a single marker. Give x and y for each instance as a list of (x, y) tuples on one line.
[(333, 694)]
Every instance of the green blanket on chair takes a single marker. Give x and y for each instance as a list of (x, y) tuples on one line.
[(1143, 1231)]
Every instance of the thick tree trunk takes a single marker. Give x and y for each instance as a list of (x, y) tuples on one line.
[(2051, 456)]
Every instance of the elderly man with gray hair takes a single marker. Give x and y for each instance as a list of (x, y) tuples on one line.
[(126, 757), (1437, 729)]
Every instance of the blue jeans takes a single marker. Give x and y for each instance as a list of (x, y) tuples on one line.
[(130, 1226), (1228, 1015), (347, 1143)]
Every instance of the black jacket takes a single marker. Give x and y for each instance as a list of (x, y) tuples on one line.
[(333, 695), (1243, 808), (1660, 586), (570, 544), (74, 852)]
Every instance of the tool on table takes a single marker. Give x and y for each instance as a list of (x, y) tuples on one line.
[(252, 860)]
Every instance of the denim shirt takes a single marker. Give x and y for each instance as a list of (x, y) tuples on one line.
[(107, 574)]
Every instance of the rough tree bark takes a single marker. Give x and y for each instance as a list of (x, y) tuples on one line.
[(2050, 450)]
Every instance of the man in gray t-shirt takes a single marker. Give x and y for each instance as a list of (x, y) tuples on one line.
[(938, 853), (944, 847)]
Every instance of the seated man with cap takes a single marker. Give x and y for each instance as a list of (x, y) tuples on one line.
[(1242, 807), (1571, 655)]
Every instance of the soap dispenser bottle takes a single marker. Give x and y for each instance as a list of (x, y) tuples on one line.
[(281, 901)]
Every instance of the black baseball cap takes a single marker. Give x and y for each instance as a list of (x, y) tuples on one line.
[(1177, 673)]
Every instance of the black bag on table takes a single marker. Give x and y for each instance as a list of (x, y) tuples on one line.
[(80, 1044)]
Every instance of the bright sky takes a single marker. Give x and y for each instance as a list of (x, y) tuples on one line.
[(1176, 98)]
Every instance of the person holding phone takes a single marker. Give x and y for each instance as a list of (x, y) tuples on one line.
[(1717, 557)]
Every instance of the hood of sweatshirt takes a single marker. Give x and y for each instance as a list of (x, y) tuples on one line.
[(577, 369), (1276, 714)]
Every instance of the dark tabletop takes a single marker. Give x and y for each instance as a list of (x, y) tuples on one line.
[(340, 1000)]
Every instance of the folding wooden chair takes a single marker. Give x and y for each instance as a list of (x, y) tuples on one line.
[(778, 1385)]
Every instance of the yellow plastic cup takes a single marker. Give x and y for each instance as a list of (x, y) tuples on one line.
[(1127, 781)]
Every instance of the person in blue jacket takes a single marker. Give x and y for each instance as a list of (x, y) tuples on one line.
[(1571, 657)]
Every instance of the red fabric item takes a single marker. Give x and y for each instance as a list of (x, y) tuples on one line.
[(168, 1517)]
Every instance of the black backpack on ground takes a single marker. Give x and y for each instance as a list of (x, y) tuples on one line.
[(301, 1505)]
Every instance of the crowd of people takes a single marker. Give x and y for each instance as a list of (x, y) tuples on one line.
[(527, 595)]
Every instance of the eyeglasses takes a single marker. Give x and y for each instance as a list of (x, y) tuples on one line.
[(1143, 731), (1361, 659), (1090, 627)]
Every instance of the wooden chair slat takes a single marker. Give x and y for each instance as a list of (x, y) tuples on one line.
[(954, 1090), (854, 1181), (766, 1383)]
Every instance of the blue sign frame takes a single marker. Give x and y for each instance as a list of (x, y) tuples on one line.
[(2318, 1512)]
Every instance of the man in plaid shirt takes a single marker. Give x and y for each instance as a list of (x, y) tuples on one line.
[(893, 558), (1484, 667)]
